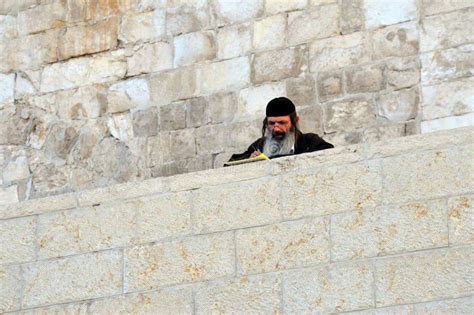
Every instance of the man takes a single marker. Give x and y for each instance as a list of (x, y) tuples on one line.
[(281, 135)]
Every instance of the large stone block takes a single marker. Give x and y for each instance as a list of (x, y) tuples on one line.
[(145, 122), (11, 288), (427, 175), (446, 123), (151, 57), (8, 28), (244, 134), (339, 52), (461, 220), (257, 294), (391, 310), (9, 195), (189, 260), (253, 100), (379, 13), (83, 71), (426, 276), (120, 126), (79, 308), (329, 85), (193, 48), (430, 7), (166, 87), (42, 17), (278, 64), (7, 88), (229, 12), (222, 107), (234, 41), (91, 11), (336, 288), (317, 22), (82, 277), (17, 239), (352, 16), (129, 94), (402, 72), (223, 75), (331, 190), (181, 144), (395, 41), (173, 116), (277, 6), (282, 246), (11, 7), (190, 17), (301, 91), (452, 306), (399, 105), (365, 79), (197, 112), (211, 139), (270, 32), (348, 114), (388, 230), (446, 30), (142, 27)]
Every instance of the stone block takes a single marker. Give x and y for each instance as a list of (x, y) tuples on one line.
[(399, 40), (348, 114), (365, 79), (197, 112), (8, 29), (120, 127), (425, 276), (10, 290), (145, 122), (253, 100), (399, 105), (41, 17), (452, 306), (352, 16), (270, 32), (193, 48), (301, 91), (314, 23), (314, 3), (257, 294), (233, 41), (181, 144), (380, 13), (278, 64), (17, 237), (331, 190), (461, 220), (82, 71), (173, 116), (329, 85), (172, 85), (386, 131), (338, 52), (311, 119), (82, 277), (447, 64), (142, 27), (388, 230), (282, 246), (187, 18), (9, 195), (151, 57), (82, 40), (448, 99), (336, 288), (25, 86), (391, 310), (174, 301), (222, 107), (190, 260), (229, 12), (232, 74), (7, 88), (211, 139), (125, 95), (278, 6), (244, 134), (447, 123), (236, 205), (428, 175), (402, 72), (446, 30), (430, 7), (11, 7), (91, 11)]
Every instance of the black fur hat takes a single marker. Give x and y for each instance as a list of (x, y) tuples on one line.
[(280, 106)]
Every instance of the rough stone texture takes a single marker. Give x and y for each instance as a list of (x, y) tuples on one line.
[(447, 123), (400, 105), (379, 13), (454, 306), (403, 72), (193, 47), (41, 17), (145, 123), (351, 113), (222, 107), (251, 99), (329, 85), (150, 58), (173, 116), (10, 290), (365, 79), (173, 85), (197, 112), (395, 41), (9, 195), (461, 220), (187, 17), (17, 239), (430, 7), (278, 64), (217, 76), (234, 41), (352, 16), (301, 90), (7, 89), (142, 27), (270, 33), (233, 11), (126, 95), (211, 139)]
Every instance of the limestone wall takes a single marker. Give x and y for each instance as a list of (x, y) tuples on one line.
[(372, 229), (94, 93)]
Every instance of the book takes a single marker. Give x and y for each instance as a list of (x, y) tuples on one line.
[(260, 157)]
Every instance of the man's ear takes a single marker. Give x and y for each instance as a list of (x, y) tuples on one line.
[(297, 119)]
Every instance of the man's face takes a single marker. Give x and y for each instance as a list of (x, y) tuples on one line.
[(279, 126)]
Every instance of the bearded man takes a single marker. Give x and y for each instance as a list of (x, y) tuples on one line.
[(281, 135)]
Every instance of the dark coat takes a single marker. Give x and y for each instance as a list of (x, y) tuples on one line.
[(305, 142)]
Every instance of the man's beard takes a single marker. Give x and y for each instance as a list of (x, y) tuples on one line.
[(283, 146)]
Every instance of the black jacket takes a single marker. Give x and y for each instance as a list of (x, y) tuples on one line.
[(305, 142)]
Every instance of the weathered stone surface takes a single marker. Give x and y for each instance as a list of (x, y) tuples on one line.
[(336, 289), (121, 126), (424, 276), (82, 277), (145, 122), (389, 131), (41, 17), (314, 3), (428, 174), (455, 306), (82, 40), (25, 86), (193, 48), (399, 105), (318, 22), (365, 79), (392, 310), (7, 88), (403, 72), (228, 74), (245, 131), (447, 64), (91, 11), (461, 220), (73, 308), (211, 139), (311, 119), (13, 6), (151, 57), (277, 6), (9, 195), (222, 107), (175, 301), (253, 100), (388, 230), (329, 85), (187, 18), (231, 12), (379, 13), (395, 41), (430, 7), (301, 91), (278, 64), (197, 112), (8, 27), (142, 27), (259, 294), (352, 16), (16, 169), (189, 260), (338, 52), (129, 94), (17, 237), (331, 190), (10, 290), (283, 246), (447, 123), (233, 41), (83, 71), (173, 116), (173, 85), (348, 114), (180, 144), (270, 32), (446, 30), (228, 210)]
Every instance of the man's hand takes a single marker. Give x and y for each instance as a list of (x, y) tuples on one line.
[(255, 153)]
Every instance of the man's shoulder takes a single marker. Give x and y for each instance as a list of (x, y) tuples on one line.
[(309, 142)]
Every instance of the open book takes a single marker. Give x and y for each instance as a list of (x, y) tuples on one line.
[(259, 157)]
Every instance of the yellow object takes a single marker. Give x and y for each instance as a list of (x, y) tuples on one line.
[(260, 157)]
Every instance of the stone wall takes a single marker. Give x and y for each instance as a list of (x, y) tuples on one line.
[(384, 228), (94, 93)]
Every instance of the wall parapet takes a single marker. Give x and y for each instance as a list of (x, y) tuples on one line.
[(384, 225)]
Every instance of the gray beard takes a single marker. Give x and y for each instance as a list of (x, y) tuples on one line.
[(273, 147)]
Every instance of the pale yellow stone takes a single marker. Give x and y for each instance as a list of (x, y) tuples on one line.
[(252, 100), (150, 58), (393, 310), (276, 65), (430, 7), (190, 260), (237, 11), (41, 17), (17, 240), (224, 75), (461, 220), (64, 309), (277, 6), (172, 85), (233, 41), (193, 48), (395, 41), (142, 27), (282, 246), (454, 306), (270, 32), (10, 288)]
